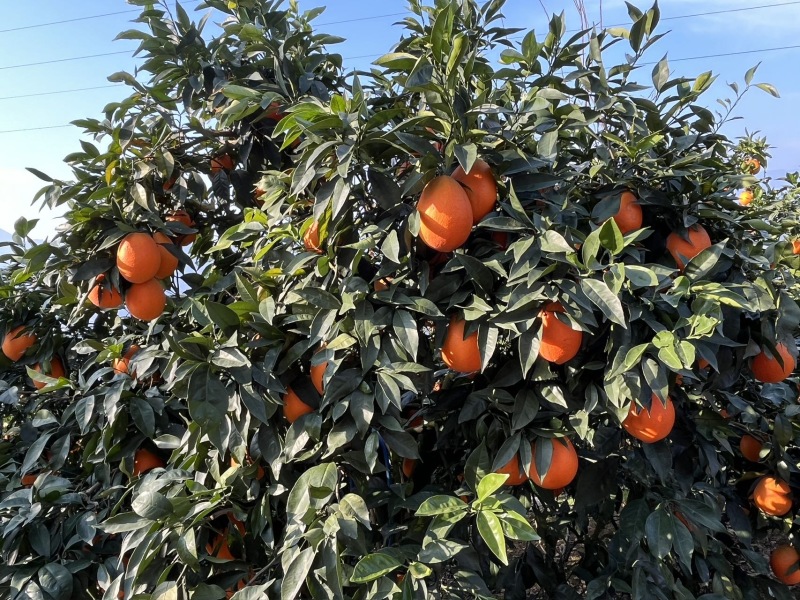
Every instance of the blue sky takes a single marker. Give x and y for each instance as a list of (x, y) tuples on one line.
[(372, 33)]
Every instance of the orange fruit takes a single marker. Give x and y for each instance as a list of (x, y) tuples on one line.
[(783, 560), (138, 258), (274, 112), (773, 496), (563, 465), (146, 301), (461, 354), (629, 215), (750, 447), (681, 248), (560, 342), (169, 262), (768, 370), (317, 375), (703, 364), (516, 475), (746, 198), (221, 163), (480, 186), (219, 547), (239, 587), (311, 239), (104, 296), (650, 425), (293, 407), (796, 247), (28, 480), (752, 166), (16, 343), (120, 365), (383, 284), (500, 238), (144, 460), (408, 467), (181, 216), (56, 371), (445, 214)]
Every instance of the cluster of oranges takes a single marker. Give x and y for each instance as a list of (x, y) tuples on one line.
[(18, 341), (143, 260)]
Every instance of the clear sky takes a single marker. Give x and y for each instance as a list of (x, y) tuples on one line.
[(92, 25)]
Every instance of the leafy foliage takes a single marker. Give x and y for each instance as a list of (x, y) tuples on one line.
[(301, 184)]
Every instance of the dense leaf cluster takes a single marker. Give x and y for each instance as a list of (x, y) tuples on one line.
[(388, 488)]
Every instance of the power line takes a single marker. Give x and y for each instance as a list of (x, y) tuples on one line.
[(729, 10), (76, 19), (35, 128), (85, 89), (124, 12), (724, 54), (60, 60)]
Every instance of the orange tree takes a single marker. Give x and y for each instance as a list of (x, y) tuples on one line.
[(436, 330)]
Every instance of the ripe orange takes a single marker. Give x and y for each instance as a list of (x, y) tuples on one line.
[(169, 262), (480, 186), (16, 343), (318, 374), (768, 370), (138, 257), (104, 296), (773, 496), (144, 460), (408, 467), (783, 560), (274, 112), (445, 214), (750, 447), (746, 198), (293, 407), (311, 239), (120, 365), (650, 425), (146, 301), (181, 216), (28, 480), (56, 371), (383, 284), (219, 547), (516, 475), (221, 163), (242, 583), (703, 364), (563, 466), (461, 354), (752, 166), (796, 247), (560, 342), (681, 248), (500, 238), (629, 215)]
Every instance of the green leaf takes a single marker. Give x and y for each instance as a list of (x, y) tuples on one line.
[(296, 574), (374, 566), (611, 237), (606, 300), (56, 581), (490, 484), (517, 527), (223, 317), (152, 505), (440, 505), (659, 532), (491, 531), (466, 154), (769, 88), (660, 74)]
